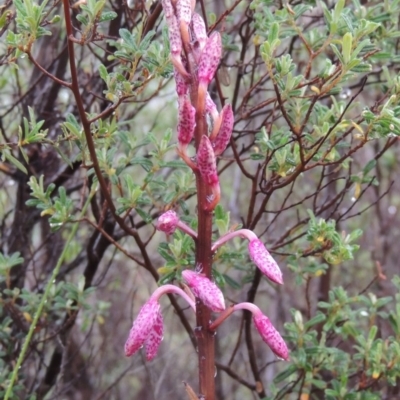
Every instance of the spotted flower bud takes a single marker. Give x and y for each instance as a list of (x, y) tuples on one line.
[(270, 335), (210, 58), (211, 108), (207, 291), (199, 32), (142, 327), (264, 261), (147, 329), (168, 222), (206, 162), (153, 341), (180, 82), (187, 121), (225, 131), (184, 11)]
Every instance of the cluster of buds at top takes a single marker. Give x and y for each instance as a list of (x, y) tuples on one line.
[(196, 57)]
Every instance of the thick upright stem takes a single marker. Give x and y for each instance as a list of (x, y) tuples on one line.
[(205, 338)]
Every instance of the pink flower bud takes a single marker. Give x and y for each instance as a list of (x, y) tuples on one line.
[(187, 121), (210, 58), (211, 108), (199, 32), (168, 222), (142, 326), (207, 291), (271, 336), (264, 261), (206, 162), (155, 337), (168, 8), (182, 87), (225, 131), (174, 35), (184, 11)]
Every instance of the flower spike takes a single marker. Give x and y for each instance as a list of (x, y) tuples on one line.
[(207, 291), (264, 261)]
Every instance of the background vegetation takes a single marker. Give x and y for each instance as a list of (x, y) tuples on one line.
[(88, 162)]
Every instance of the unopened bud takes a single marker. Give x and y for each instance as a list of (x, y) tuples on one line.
[(206, 162), (271, 336), (264, 261), (187, 121), (168, 222), (225, 131), (210, 58), (199, 32), (207, 291)]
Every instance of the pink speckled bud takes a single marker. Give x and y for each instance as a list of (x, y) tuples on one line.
[(142, 326), (264, 261), (270, 335), (207, 291), (168, 8), (187, 121), (211, 108), (168, 222), (206, 162), (184, 11), (155, 337), (182, 87), (225, 131), (199, 32), (174, 35), (210, 58)]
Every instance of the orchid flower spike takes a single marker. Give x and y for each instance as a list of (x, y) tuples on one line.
[(206, 290), (264, 261), (184, 14), (266, 330), (147, 329)]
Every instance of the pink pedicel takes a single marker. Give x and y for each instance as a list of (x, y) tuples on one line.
[(206, 162), (155, 337), (142, 327), (264, 261), (206, 290), (186, 122), (168, 222), (210, 58), (225, 131), (271, 336)]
